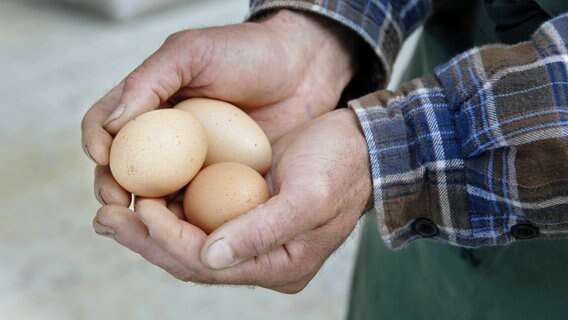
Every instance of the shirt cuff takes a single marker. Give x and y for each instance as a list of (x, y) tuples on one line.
[(415, 161), (475, 155)]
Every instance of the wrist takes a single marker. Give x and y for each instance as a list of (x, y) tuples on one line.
[(325, 47), (360, 154)]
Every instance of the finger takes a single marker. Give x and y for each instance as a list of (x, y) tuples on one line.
[(290, 267), (137, 200), (107, 190), (183, 242), (172, 202), (287, 268), (269, 270), (95, 139), (264, 228), (150, 85), (177, 237), (127, 229)]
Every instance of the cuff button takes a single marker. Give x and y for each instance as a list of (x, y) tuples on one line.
[(425, 227), (523, 231)]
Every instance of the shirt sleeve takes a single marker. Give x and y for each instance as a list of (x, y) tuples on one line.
[(382, 24), (477, 153)]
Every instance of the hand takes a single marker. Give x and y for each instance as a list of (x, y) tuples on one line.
[(321, 182), (284, 70)]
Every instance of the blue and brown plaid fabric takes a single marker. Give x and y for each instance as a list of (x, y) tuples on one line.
[(478, 148)]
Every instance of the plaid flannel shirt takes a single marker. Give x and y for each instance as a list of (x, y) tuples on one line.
[(475, 154)]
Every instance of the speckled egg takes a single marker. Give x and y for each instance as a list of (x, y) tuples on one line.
[(158, 152)]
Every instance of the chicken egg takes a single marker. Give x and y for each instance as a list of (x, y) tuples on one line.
[(222, 192), (232, 135), (158, 152)]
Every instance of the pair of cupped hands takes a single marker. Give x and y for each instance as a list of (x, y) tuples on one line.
[(287, 72)]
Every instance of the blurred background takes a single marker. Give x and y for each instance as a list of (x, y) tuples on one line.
[(57, 57)]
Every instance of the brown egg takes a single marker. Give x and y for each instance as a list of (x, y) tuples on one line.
[(158, 152), (222, 192), (232, 135)]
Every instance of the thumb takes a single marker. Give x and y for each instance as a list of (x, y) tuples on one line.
[(264, 228), (150, 85)]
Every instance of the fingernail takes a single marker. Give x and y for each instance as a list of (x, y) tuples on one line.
[(109, 235), (143, 214), (105, 230), (115, 114), (88, 153), (101, 198), (219, 255)]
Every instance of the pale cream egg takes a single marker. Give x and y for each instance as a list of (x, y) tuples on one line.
[(232, 135)]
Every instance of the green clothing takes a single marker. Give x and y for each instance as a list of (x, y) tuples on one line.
[(435, 280), (431, 280)]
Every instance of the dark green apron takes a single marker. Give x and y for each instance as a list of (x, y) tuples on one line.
[(430, 280)]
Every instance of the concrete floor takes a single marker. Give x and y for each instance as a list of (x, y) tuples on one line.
[(54, 63)]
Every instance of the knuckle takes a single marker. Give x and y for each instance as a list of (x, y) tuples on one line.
[(263, 238), (324, 193), (181, 234), (108, 193), (181, 237), (318, 197), (302, 284), (111, 215), (322, 198), (174, 37), (203, 277), (182, 275), (313, 267), (134, 79), (104, 195), (319, 203), (104, 215), (145, 79), (304, 259), (138, 77), (294, 288), (84, 122), (97, 226), (99, 196)]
